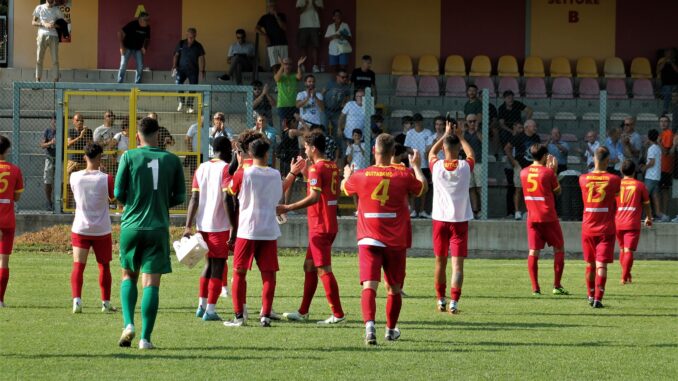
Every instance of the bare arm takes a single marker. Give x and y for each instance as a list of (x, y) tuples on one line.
[(508, 151), (312, 198), (300, 63), (279, 73), (648, 214), (415, 160), (190, 213), (175, 60), (528, 112)]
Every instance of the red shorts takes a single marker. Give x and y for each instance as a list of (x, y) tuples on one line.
[(217, 243), (598, 248), (102, 245), (7, 242), (320, 248), (373, 258), (247, 250), (541, 233), (628, 239), (450, 238)]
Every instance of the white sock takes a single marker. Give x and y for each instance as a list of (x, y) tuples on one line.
[(202, 302), (211, 308), (105, 302), (77, 301), (370, 323)]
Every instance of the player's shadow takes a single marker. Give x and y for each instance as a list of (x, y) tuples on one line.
[(358, 347), (488, 326), (157, 354), (601, 314)]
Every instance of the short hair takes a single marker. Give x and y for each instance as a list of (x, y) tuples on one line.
[(602, 153), (259, 147), (451, 142), (192, 30), (316, 138), (92, 150), (246, 137), (357, 131), (367, 57), (219, 115), (377, 118), (406, 119), (417, 117), (439, 118), (307, 76), (538, 151), (257, 83), (472, 86), (222, 145), (143, 15), (148, 126), (241, 31), (385, 144), (652, 135), (507, 93), (399, 149), (334, 12), (628, 168), (4, 144)]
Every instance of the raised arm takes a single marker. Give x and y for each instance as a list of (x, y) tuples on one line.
[(415, 161)]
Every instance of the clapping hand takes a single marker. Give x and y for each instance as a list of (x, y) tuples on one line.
[(297, 165), (551, 162), (348, 170), (301, 61), (415, 159)]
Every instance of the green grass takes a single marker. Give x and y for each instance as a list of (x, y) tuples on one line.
[(502, 332)]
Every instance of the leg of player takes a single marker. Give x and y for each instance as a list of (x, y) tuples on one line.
[(394, 303), (128, 302), (626, 261), (457, 282), (368, 302), (268, 279), (225, 292), (590, 281), (601, 279), (149, 307), (629, 264), (79, 263), (103, 251), (533, 269), (203, 289), (238, 296), (332, 294), (214, 288), (4, 277), (558, 268), (310, 285), (440, 281)]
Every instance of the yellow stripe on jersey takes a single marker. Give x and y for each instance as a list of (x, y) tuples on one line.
[(195, 189), (317, 189), (19, 190)]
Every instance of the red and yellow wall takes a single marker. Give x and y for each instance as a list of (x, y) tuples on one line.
[(381, 28)]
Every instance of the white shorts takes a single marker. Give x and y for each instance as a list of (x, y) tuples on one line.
[(48, 173), (275, 52)]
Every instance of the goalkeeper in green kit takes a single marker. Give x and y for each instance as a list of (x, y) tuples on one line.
[(148, 183)]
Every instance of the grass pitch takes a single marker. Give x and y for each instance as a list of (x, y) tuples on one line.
[(502, 331)]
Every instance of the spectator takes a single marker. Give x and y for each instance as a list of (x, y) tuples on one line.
[(558, 149), (240, 57), (475, 106), (310, 102), (188, 64), (78, 137), (339, 34), (192, 142), (652, 169), (273, 27), (49, 145), (632, 143), (518, 153), (509, 173), (406, 125), (666, 143), (667, 71), (363, 77), (262, 126), (352, 117), (263, 101), (336, 95), (330, 144), (614, 145), (219, 129), (416, 139), (122, 139), (288, 148), (376, 127), (104, 136), (165, 138), (308, 36), (134, 38), (474, 137), (439, 127), (591, 144), (356, 151), (45, 17), (287, 86), (510, 111)]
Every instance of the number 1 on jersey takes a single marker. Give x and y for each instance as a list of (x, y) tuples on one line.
[(153, 165), (380, 193)]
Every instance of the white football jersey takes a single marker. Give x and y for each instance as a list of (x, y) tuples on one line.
[(451, 180), (92, 191), (210, 180), (259, 191)]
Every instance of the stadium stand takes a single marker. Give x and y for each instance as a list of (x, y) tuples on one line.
[(455, 87), (535, 88), (455, 66), (508, 83), (508, 67), (406, 86), (588, 88), (587, 68), (428, 65), (560, 67), (614, 68), (562, 88), (533, 67), (640, 68), (642, 89), (428, 87), (481, 66), (485, 83), (616, 88), (402, 65)]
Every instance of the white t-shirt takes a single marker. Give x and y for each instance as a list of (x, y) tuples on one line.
[(358, 156), (431, 141), (589, 156), (355, 118), (193, 134), (123, 143), (331, 31), (259, 192), (309, 17), (654, 172), (47, 15), (310, 112), (210, 180), (451, 202), (92, 191), (103, 133), (418, 140)]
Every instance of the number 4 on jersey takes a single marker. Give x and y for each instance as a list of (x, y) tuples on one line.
[(380, 193)]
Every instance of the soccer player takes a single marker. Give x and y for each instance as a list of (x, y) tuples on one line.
[(258, 189), (451, 211), (321, 201), (149, 182), (93, 193), (11, 186), (210, 211), (633, 195), (384, 229), (598, 189), (540, 186)]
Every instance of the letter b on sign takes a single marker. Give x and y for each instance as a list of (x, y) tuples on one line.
[(573, 17)]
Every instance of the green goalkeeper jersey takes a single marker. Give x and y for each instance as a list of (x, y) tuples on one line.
[(148, 183)]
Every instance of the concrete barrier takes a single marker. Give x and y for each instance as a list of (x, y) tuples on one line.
[(487, 239)]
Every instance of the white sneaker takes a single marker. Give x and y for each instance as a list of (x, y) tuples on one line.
[(392, 334), (225, 292), (2, 305), (664, 218), (425, 215), (295, 316), (77, 307), (264, 321), (453, 308), (675, 219), (518, 216), (414, 214), (236, 322), (316, 69), (332, 320), (145, 344), (273, 315), (180, 107), (370, 334), (127, 336), (190, 110), (106, 307), (441, 305)]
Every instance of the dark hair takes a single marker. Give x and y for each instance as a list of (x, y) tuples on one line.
[(92, 150), (451, 141), (628, 168), (652, 135), (222, 146), (259, 147), (148, 126), (307, 76), (367, 57), (602, 153), (316, 139), (247, 137), (538, 151), (507, 93), (341, 70), (336, 11), (192, 30), (377, 118), (417, 117), (357, 131), (439, 117), (257, 83), (399, 149), (4, 144), (241, 31), (471, 87), (143, 14), (406, 119)]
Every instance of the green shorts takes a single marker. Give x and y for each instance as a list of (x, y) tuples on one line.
[(145, 251)]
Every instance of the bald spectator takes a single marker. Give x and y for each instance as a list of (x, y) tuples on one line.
[(558, 149), (273, 27), (308, 35)]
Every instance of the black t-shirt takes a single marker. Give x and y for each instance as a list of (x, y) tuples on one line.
[(521, 144), (363, 79), (188, 56), (276, 36), (135, 35), (513, 115), (669, 75), (288, 147)]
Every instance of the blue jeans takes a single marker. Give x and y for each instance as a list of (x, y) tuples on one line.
[(192, 77), (124, 59), (667, 92)]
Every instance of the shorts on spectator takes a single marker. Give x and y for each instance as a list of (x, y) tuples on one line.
[(217, 243), (308, 37), (48, 173), (477, 177), (7, 241), (540, 234), (373, 258), (247, 250), (666, 180), (101, 245), (598, 248), (628, 239), (450, 239), (276, 52), (516, 176), (341, 59), (652, 186)]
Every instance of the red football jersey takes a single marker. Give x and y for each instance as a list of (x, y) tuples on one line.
[(632, 196), (11, 182), (539, 183), (598, 191), (323, 177), (383, 212)]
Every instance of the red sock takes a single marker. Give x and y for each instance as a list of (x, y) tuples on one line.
[(203, 290), (76, 279), (440, 290), (268, 292), (4, 278), (332, 294), (214, 290), (105, 280), (629, 265), (310, 285), (393, 304), (558, 267), (623, 261), (600, 287), (533, 269), (455, 293), (368, 300), (590, 281), (239, 291), (224, 277)]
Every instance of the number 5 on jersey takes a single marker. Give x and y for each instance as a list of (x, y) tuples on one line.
[(380, 193)]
